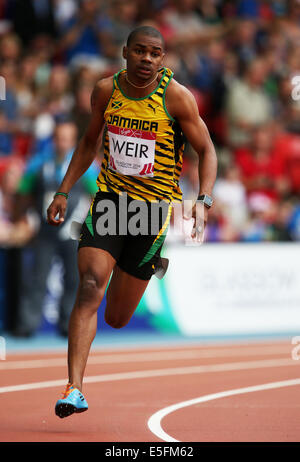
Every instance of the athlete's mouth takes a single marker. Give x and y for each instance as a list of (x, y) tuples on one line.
[(144, 69)]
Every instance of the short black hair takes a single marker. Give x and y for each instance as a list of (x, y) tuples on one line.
[(145, 30)]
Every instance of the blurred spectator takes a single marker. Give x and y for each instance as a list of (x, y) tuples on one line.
[(237, 58), (41, 179), (255, 228), (44, 49), (32, 18), (82, 107), (11, 234), (262, 171), (184, 28), (209, 66), (244, 44), (6, 137), (57, 98), (219, 227), (189, 181), (80, 40), (279, 7), (10, 47), (230, 193), (5, 9), (294, 223), (63, 12), (186, 34), (8, 108), (248, 106), (283, 100), (208, 11), (84, 80), (211, 78), (287, 152), (290, 22), (269, 221), (115, 26), (26, 92), (278, 229)]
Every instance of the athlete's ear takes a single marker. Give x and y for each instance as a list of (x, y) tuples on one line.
[(125, 52)]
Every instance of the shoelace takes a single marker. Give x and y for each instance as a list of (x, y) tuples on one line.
[(67, 391)]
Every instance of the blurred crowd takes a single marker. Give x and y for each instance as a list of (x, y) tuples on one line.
[(239, 58)]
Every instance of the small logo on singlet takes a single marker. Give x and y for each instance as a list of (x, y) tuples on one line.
[(152, 107)]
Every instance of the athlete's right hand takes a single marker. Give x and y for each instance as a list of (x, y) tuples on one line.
[(57, 207)]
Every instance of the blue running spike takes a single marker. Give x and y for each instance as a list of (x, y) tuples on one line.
[(72, 402)]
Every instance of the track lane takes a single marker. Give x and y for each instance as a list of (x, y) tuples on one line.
[(240, 415), (119, 410), (29, 368)]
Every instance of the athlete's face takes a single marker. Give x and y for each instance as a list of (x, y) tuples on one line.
[(144, 56)]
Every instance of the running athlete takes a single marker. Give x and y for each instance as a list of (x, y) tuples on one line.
[(144, 113)]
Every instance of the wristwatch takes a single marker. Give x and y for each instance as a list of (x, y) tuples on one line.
[(207, 200)]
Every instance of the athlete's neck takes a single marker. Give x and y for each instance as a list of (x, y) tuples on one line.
[(137, 88), (141, 86)]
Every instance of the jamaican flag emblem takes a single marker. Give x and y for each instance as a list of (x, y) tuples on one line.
[(116, 104)]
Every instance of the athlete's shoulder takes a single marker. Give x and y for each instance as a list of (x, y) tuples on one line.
[(104, 86), (102, 92), (179, 99), (177, 90)]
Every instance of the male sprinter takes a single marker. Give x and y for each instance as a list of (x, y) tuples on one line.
[(144, 112)]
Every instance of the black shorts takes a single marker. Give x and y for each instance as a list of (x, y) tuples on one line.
[(132, 231)]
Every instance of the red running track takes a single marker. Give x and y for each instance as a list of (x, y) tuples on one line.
[(188, 393)]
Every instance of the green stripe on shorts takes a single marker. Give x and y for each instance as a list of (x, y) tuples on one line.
[(153, 249), (89, 223)]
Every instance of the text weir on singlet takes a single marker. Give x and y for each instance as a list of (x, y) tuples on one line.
[(132, 152)]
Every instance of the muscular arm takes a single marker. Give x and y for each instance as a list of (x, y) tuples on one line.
[(182, 106), (86, 150)]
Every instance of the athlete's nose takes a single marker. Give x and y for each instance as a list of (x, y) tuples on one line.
[(147, 58)]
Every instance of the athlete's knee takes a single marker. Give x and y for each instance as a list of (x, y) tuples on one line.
[(115, 321), (91, 289)]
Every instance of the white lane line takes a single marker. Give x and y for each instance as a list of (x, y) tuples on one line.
[(157, 373), (146, 356), (154, 423)]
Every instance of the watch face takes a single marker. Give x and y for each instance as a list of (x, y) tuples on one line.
[(207, 200)]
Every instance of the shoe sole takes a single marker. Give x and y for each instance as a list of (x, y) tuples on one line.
[(66, 409)]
